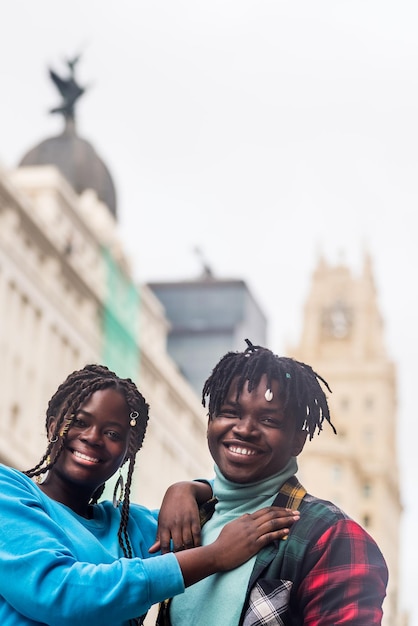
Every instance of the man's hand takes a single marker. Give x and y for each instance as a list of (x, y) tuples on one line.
[(178, 520)]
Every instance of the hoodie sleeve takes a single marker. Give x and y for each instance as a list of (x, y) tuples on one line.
[(42, 578)]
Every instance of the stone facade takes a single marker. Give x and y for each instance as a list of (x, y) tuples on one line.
[(54, 246)]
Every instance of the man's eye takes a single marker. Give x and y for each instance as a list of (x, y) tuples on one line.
[(271, 421), (228, 414)]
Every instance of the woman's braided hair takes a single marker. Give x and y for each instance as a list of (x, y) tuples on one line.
[(64, 406), (302, 396)]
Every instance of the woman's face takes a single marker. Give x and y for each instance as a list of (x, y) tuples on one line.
[(95, 446)]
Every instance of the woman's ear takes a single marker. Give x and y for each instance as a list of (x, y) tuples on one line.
[(299, 442), (52, 421)]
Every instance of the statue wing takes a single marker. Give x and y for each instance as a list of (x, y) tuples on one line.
[(61, 84)]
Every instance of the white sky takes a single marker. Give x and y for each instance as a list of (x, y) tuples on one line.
[(260, 131)]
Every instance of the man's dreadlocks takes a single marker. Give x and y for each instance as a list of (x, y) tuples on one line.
[(302, 395)]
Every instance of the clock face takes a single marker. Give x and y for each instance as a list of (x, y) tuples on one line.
[(337, 319)]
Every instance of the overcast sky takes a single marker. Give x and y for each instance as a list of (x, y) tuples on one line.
[(261, 132)]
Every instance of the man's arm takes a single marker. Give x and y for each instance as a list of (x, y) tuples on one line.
[(179, 521), (345, 578)]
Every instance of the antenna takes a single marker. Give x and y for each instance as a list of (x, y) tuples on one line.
[(206, 269)]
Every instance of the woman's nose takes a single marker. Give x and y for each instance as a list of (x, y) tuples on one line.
[(92, 436)]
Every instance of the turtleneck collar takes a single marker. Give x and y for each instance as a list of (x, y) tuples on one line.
[(231, 495)]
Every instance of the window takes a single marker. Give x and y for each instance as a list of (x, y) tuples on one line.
[(337, 473), (345, 403), (369, 402), (367, 490), (366, 521), (14, 414), (368, 435)]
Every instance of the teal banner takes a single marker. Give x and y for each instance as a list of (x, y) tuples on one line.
[(120, 323)]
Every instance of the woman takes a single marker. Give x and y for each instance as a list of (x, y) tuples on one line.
[(66, 559)]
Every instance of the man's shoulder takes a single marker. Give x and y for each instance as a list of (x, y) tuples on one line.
[(313, 510), (206, 510), (317, 516), (318, 507)]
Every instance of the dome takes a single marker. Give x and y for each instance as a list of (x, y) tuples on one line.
[(78, 162)]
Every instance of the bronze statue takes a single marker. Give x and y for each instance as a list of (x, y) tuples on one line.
[(69, 89)]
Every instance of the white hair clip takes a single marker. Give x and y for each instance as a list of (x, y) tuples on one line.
[(268, 395)]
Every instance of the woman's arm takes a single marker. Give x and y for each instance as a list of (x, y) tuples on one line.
[(237, 542), (56, 572)]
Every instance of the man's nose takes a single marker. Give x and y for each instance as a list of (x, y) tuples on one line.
[(246, 426)]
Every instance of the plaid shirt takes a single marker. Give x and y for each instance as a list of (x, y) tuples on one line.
[(329, 571)]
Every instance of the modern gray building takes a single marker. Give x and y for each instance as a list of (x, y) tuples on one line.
[(208, 318)]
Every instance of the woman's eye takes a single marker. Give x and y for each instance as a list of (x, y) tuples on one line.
[(114, 436), (78, 422)]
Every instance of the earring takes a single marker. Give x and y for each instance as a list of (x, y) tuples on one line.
[(134, 416), (41, 478), (117, 499)]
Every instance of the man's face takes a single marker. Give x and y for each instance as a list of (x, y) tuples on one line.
[(252, 439)]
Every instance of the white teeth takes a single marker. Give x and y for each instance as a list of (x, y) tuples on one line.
[(85, 457), (243, 451)]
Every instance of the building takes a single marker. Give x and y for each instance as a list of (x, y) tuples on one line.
[(208, 317), (343, 340), (68, 297)]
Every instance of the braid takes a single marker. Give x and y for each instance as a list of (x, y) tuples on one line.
[(64, 406), (123, 528), (300, 390)]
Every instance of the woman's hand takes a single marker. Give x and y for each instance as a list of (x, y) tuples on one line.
[(238, 541), (178, 519), (244, 537)]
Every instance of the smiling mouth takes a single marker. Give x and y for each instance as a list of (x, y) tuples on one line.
[(242, 451), (80, 455)]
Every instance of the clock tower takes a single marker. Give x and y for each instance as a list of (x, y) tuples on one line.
[(343, 340)]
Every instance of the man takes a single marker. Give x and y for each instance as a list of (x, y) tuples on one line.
[(329, 570)]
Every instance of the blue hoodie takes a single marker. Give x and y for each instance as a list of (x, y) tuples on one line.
[(60, 569)]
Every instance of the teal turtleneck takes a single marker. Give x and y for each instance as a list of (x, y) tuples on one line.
[(223, 594)]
